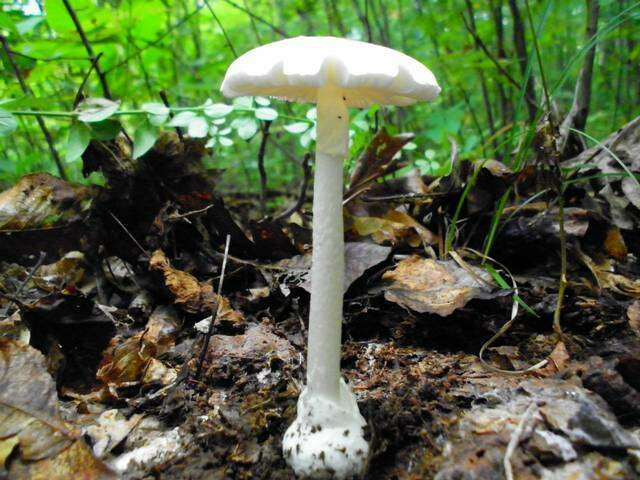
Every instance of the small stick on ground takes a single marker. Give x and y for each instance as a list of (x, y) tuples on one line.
[(27, 91), (515, 440), (306, 167), (145, 253), (214, 314)]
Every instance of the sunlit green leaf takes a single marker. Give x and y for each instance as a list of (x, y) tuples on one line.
[(262, 101), (225, 141), (182, 119), (266, 114), (297, 127), (96, 109), (198, 127), (8, 123), (217, 110), (158, 113), (245, 126)]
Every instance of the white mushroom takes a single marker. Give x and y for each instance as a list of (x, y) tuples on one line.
[(327, 438)]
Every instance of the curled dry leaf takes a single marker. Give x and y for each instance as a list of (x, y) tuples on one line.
[(46, 446), (134, 360), (190, 294), (633, 314), (615, 245), (110, 428), (433, 286), (394, 227)]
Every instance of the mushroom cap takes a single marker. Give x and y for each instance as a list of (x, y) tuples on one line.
[(294, 69)]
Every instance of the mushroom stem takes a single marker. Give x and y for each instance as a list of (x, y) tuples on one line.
[(327, 270)]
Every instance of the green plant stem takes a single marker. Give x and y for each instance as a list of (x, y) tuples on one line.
[(557, 328), (119, 113)]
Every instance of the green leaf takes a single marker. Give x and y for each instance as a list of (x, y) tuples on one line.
[(8, 123), (6, 22), (211, 142), (144, 139), (182, 119), (218, 110), (265, 113), (105, 130), (243, 102), (96, 109), (225, 141), (157, 113), (245, 126), (297, 127), (262, 101), (198, 127), (77, 141), (28, 25), (312, 114)]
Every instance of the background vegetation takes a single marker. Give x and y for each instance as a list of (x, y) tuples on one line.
[(485, 54)]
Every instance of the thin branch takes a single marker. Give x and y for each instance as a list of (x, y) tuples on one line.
[(577, 117), (278, 30), (27, 91), (521, 52), (144, 252), (78, 97), (224, 32), (87, 46), (306, 167), (165, 101), (153, 43), (261, 169)]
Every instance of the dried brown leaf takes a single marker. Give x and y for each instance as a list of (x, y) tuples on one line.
[(127, 361), (614, 244), (48, 448), (190, 294), (633, 314), (426, 285)]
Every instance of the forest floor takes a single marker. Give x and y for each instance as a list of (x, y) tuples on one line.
[(105, 294)]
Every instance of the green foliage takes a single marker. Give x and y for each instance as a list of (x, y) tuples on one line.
[(176, 46)]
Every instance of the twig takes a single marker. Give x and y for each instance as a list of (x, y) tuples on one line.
[(27, 91), (146, 254), (153, 43), (306, 168), (402, 197), (33, 271), (214, 314), (520, 43), (224, 32), (278, 30), (78, 97), (165, 101), (87, 45), (261, 169), (515, 440)]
